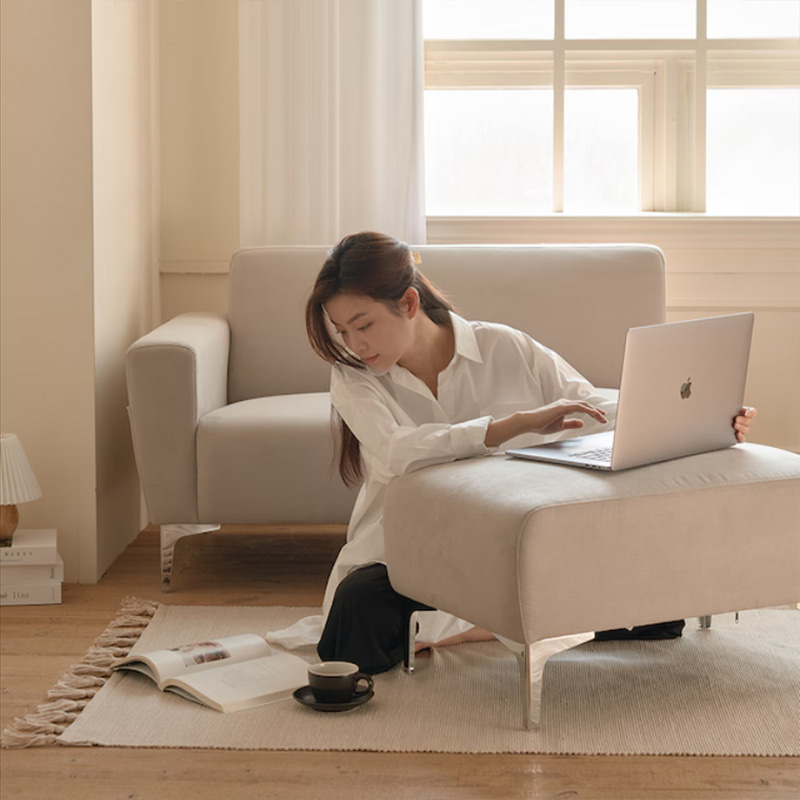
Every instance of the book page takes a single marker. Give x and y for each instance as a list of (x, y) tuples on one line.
[(245, 684), (196, 656)]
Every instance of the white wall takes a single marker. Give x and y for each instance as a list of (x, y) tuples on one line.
[(46, 263), (124, 70), (75, 259), (199, 135)]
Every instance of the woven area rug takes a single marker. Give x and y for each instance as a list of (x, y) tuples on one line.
[(730, 690)]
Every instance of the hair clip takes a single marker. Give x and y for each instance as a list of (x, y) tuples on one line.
[(416, 260)]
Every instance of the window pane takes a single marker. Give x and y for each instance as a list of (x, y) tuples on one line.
[(601, 145), (748, 19), (753, 153), (630, 19), (487, 19), (488, 152)]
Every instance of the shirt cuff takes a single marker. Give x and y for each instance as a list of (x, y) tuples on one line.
[(469, 438)]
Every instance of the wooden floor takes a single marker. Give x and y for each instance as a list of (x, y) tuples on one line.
[(276, 567)]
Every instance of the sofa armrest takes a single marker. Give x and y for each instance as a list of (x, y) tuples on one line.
[(175, 375)]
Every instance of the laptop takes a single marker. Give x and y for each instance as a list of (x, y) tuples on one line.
[(682, 384)]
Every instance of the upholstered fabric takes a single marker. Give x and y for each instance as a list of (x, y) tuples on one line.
[(532, 550), (176, 374), (271, 458), (557, 294)]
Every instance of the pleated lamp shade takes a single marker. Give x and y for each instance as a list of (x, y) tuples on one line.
[(18, 484)]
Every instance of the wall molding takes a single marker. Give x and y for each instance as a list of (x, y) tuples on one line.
[(668, 231), (194, 267), (673, 231)]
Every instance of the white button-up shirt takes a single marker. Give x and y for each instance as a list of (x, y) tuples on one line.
[(402, 427)]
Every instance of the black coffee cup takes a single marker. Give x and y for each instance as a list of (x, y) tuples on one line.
[(337, 681)]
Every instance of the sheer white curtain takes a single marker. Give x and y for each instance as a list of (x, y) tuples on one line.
[(331, 95)]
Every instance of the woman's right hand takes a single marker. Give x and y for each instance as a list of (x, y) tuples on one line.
[(552, 418)]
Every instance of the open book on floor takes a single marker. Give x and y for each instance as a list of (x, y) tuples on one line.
[(227, 674)]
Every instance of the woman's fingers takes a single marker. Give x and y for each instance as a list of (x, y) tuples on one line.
[(587, 408), (744, 422), (553, 418), (572, 423)]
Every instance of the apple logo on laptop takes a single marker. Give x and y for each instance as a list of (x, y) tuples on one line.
[(686, 389)]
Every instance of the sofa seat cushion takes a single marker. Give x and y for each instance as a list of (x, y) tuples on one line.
[(531, 550), (270, 460)]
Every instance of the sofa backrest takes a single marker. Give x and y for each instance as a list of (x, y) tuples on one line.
[(579, 300)]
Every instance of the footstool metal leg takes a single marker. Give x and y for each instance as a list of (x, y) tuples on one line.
[(530, 685), (169, 536), (531, 659), (705, 623), (410, 653)]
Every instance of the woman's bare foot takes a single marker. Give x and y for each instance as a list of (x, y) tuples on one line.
[(472, 635)]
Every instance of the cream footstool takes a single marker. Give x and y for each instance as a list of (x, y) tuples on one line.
[(543, 555)]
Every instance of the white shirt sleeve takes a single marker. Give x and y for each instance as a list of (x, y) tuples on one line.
[(558, 379), (393, 445)]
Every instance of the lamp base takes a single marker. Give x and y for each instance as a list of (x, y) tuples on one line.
[(9, 519)]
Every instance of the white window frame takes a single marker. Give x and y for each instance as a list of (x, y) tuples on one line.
[(672, 130)]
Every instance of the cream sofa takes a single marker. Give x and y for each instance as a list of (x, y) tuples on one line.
[(230, 414)]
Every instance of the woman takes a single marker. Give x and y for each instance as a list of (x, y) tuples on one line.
[(413, 384)]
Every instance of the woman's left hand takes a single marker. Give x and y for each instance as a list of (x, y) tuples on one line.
[(743, 422)]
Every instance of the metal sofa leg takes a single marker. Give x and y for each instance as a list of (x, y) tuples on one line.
[(531, 659), (169, 536)]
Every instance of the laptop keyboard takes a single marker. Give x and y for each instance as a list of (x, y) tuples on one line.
[(602, 454)]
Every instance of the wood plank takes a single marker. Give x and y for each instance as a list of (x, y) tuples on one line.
[(188, 773)]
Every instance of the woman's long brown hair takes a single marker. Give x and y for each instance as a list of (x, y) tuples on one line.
[(379, 267)]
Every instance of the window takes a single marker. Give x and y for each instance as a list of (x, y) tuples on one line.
[(612, 107), (489, 153), (753, 154), (601, 146)]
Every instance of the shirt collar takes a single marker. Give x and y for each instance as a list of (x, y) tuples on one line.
[(466, 346), (465, 340)]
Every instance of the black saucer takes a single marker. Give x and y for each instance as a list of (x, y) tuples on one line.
[(305, 696)]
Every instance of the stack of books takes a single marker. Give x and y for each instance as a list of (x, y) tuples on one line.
[(31, 570)]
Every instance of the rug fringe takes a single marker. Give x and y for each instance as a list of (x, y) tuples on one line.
[(72, 693)]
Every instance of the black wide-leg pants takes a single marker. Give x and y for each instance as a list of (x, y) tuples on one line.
[(368, 621)]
